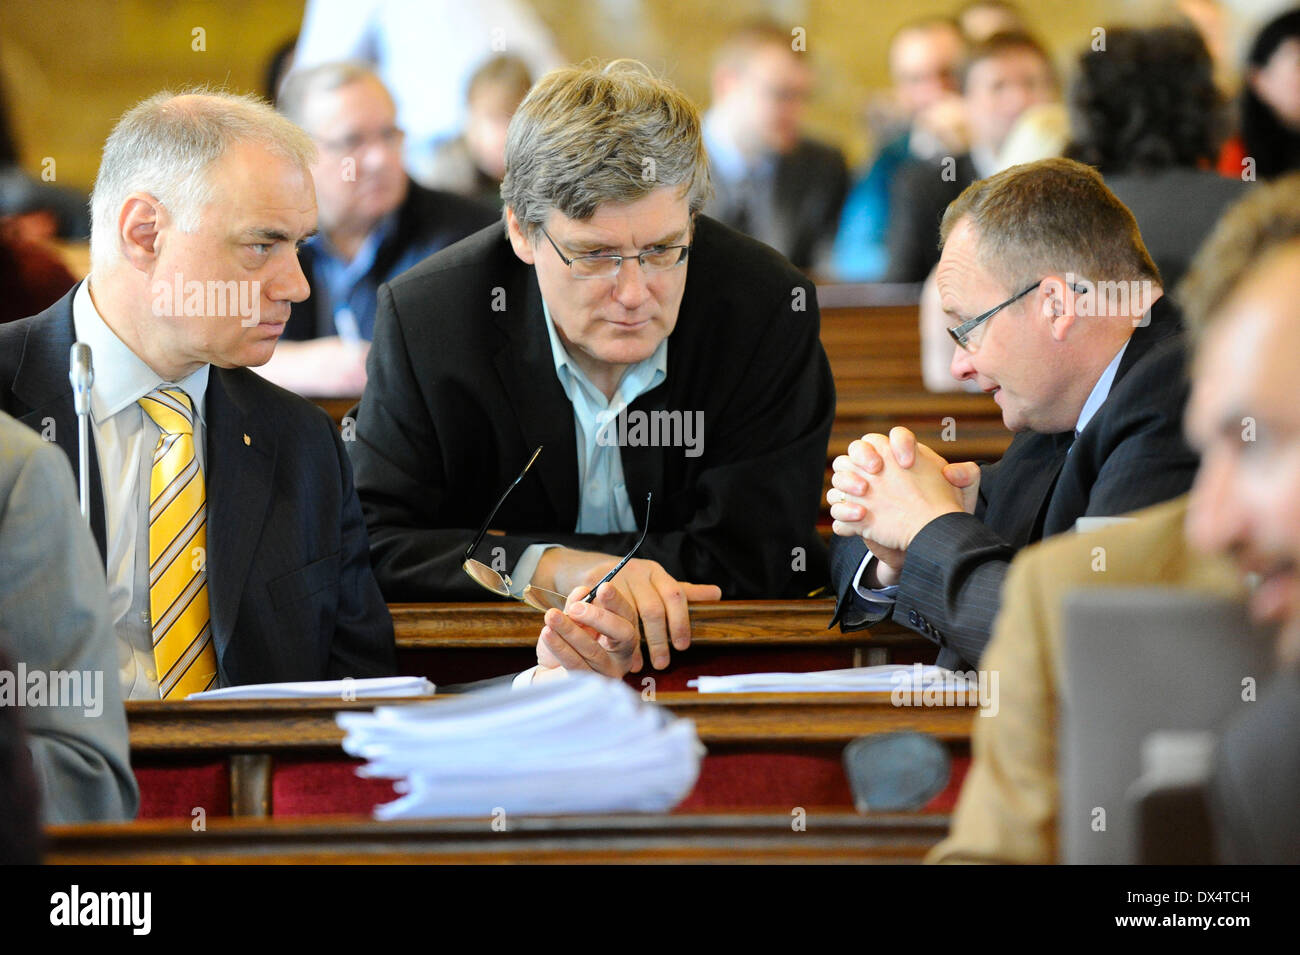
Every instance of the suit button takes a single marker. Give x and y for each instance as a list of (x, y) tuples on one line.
[(914, 618)]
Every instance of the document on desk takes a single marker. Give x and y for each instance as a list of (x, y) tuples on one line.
[(346, 689), (877, 679), (583, 744)]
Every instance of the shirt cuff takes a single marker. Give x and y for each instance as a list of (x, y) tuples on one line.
[(879, 603), (522, 574)]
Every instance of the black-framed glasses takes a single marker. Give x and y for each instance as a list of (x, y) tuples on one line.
[(961, 333), (537, 597), (659, 259)]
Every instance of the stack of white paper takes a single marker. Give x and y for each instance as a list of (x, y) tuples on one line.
[(346, 689), (879, 679), (584, 744)]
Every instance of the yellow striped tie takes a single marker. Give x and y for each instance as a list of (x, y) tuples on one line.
[(178, 547)]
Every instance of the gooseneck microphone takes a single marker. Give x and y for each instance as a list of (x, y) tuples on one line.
[(82, 375)]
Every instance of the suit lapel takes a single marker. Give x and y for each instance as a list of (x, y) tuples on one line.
[(1025, 479), (241, 452), (527, 371), (41, 383)]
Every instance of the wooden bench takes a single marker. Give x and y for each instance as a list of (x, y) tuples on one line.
[(285, 757), (461, 642), (837, 837)]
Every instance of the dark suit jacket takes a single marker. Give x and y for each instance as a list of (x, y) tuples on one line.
[(918, 197), (1131, 455), (428, 218), (459, 395), (289, 581), (799, 213)]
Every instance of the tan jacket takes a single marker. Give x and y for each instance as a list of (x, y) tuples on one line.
[(1008, 805)]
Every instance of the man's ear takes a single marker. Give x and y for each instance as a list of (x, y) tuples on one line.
[(138, 226), (1058, 305), (518, 241)]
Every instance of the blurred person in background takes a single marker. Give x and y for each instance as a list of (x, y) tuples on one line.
[(374, 223), (924, 59), (1269, 141), (770, 180), (1146, 113), (474, 163), (425, 52), (1001, 78)]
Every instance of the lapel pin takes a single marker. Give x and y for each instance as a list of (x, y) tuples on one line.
[(248, 441)]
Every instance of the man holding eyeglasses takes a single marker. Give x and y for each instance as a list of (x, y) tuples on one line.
[(651, 353), (374, 223), (1034, 262)]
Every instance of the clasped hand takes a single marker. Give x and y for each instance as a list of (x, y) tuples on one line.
[(885, 489)]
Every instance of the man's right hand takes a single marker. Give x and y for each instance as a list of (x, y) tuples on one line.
[(660, 600)]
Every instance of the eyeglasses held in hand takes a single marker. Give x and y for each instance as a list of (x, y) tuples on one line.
[(537, 597)]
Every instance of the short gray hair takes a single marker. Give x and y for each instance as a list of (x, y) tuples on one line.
[(165, 146), (300, 85), (588, 134)]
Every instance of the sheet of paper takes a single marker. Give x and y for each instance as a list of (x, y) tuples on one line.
[(878, 679), (372, 688)]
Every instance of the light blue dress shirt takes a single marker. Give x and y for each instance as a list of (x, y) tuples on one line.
[(604, 506)]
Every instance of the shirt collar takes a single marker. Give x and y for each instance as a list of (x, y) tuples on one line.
[(1100, 391), (121, 376), (636, 380)]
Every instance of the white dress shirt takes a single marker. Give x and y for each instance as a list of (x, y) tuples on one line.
[(883, 598), (125, 438)]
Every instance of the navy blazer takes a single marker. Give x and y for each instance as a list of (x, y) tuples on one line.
[(1131, 455), (291, 591)]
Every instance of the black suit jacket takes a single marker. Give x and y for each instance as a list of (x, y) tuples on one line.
[(429, 218), (1131, 455), (918, 197), (289, 581), (799, 213), (462, 387)]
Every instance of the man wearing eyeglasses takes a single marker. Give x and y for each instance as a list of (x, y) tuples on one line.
[(649, 351), (1057, 312), (374, 223)]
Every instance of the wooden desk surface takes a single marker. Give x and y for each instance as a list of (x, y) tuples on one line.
[(830, 837), (287, 726), (724, 623)]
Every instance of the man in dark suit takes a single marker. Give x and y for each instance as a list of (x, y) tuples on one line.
[(648, 350), (223, 506), (374, 223), (770, 180), (1001, 78), (1091, 379)]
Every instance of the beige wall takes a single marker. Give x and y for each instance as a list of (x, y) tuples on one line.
[(72, 66)]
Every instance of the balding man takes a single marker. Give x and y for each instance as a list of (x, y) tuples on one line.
[(1236, 535), (1034, 263)]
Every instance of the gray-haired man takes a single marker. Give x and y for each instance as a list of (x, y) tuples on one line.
[(648, 350)]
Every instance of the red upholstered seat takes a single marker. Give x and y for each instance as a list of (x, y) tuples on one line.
[(180, 787)]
